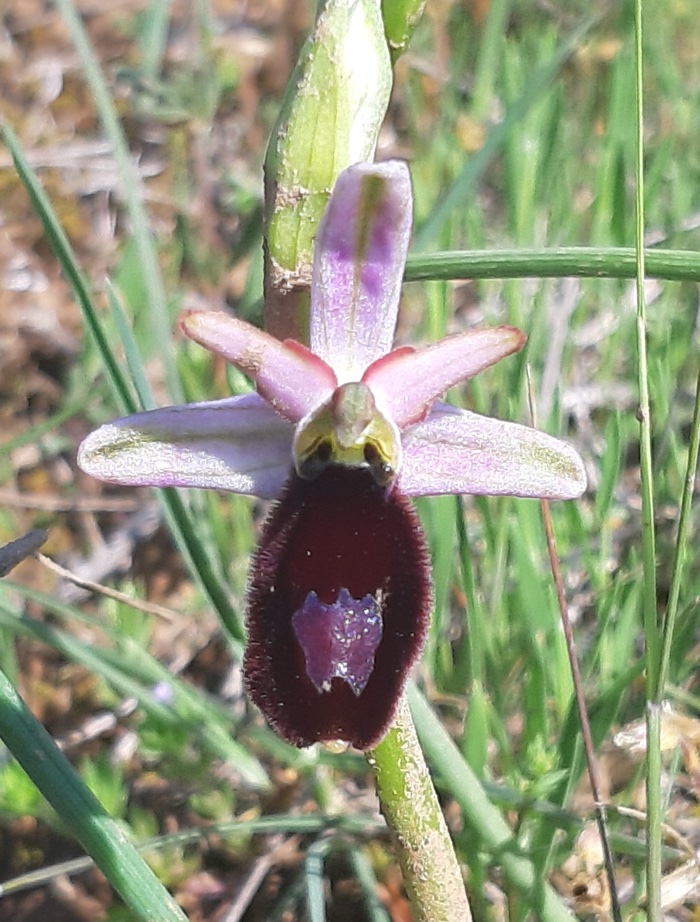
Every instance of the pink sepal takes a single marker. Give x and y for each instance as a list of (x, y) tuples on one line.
[(358, 268), (239, 444), (455, 451)]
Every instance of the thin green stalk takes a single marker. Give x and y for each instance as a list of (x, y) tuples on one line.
[(554, 262), (654, 811), (647, 485), (87, 820), (411, 808), (651, 630), (481, 817), (681, 552)]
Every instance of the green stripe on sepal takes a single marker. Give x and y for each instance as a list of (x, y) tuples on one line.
[(330, 118)]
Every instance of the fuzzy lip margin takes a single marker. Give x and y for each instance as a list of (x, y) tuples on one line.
[(340, 530)]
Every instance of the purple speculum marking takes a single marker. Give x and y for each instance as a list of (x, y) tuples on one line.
[(339, 640)]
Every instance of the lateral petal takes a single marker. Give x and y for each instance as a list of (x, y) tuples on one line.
[(455, 451), (407, 382), (358, 266), (238, 444), (291, 378)]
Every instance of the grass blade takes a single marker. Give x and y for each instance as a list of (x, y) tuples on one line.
[(82, 813), (64, 253), (368, 882), (475, 167), (131, 351), (651, 630), (315, 884), (481, 815), (553, 262), (131, 187)]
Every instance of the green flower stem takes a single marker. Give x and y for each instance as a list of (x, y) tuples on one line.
[(410, 805), (100, 836), (557, 262), (481, 817)]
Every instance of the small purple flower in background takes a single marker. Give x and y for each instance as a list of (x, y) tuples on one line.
[(341, 434), (162, 692)]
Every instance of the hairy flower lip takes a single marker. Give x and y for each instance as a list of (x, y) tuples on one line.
[(338, 531)]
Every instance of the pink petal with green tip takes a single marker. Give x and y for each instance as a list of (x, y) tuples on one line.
[(239, 444), (358, 266), (291, 378), (455, 451), (407, 382)]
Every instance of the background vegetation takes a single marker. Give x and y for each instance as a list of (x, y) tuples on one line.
[(518, 120)]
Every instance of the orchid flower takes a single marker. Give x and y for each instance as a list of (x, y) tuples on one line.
[(341, 434)]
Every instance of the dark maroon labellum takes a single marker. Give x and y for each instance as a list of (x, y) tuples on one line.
[(338, 608)]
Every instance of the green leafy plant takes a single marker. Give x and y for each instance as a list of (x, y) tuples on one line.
[(524, 170)]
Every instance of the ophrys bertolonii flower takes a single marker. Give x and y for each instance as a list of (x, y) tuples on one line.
[(341, 434)]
